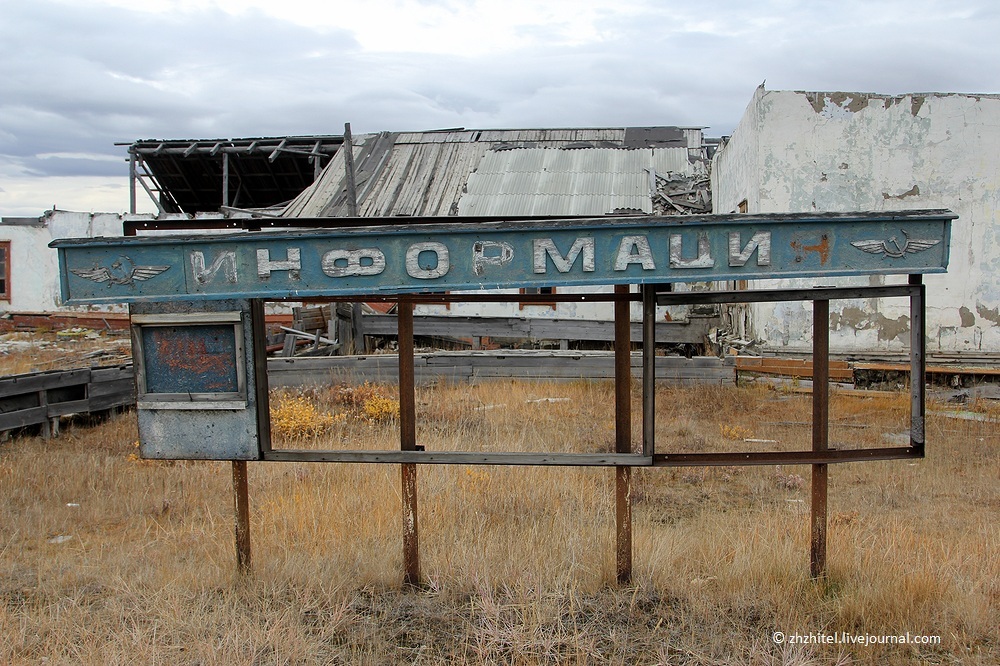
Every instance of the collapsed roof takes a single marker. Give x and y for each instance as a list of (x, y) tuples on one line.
[(590, 171), (580, 171), (199, 175)]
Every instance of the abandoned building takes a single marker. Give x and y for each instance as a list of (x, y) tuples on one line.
[(481, 173), (791, 152), (835, 152)]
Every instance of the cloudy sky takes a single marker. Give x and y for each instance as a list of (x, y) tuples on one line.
[(79, 76)]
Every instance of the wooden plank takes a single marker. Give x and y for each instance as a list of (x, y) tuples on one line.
[(530, 365), (536, 328), (24, 417), (43, 381), (15, 403), (789, 367), (117, 373), (96, 390), (69, 407), (124, 399), (931, 369)]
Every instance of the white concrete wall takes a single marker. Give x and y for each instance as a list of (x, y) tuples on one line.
[(34, 268), (803, 152), (34, 265)]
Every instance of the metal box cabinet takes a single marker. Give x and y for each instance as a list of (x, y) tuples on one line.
[(200, 392)]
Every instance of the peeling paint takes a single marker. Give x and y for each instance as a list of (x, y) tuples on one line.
[(859, 319), (989, 314), (912, 192), (945, 144), (829, 104)]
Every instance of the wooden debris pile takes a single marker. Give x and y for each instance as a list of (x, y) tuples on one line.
[(679, 194)]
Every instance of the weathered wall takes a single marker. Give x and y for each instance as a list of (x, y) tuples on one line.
[(34, 266), (734, 168), (801, 152)]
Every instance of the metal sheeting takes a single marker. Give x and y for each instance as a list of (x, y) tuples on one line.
[(577, 182), (489, 172)]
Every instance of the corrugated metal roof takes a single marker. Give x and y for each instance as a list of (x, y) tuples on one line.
[(542, 181), (498, 172)]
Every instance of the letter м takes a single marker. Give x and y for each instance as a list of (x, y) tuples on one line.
[(543, 247)]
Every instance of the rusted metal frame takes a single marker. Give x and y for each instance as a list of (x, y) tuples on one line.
[(408, 443), (352, 210), (155, 199), (132, 157), (623, 436), (648, 370), (257, 322), (241, 509), (255, 145), (225, 179), (326, 222), (461, 458), (421, 299), (778, 295), (829, 456), (918, 363), (820, 436)]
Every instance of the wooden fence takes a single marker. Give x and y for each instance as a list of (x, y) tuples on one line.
[(42, 398), (472, 365)]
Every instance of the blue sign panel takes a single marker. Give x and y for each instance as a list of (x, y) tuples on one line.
[(390, 259)]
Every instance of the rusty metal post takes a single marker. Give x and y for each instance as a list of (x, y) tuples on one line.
[(820, 435), (408, 442), (648, 370), (225, 179), (241, 505), (132, 157), (623, 435), (918, 368), (352, 188)]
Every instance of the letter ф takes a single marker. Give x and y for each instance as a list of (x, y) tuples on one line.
[(347, 263)]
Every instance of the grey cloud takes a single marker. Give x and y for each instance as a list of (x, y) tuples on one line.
[(76, 80)]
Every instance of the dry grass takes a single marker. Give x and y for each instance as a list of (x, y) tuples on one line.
[(519, 562)]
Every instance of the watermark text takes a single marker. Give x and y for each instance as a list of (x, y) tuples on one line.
[(848, 638)]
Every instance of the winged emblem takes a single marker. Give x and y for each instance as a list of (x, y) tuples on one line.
[(122, 271), (892, 248)]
